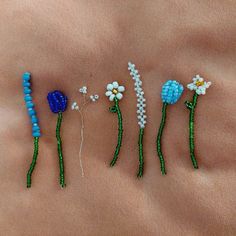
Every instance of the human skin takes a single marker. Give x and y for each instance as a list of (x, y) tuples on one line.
[(68, 44)]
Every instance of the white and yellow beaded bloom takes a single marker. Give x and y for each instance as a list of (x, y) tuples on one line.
[(114, 90), (199, 85)]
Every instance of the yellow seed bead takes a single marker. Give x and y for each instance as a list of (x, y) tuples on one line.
[(200, 83), (114, 91)]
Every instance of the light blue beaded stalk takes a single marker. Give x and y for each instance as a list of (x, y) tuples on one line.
[(34, 121), (171, 93)]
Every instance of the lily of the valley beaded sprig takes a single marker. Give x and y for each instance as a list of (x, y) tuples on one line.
[(114, 93), (80, 109), (34, 120), (171, 93), (58, 103), (141, 113), (199, 86)]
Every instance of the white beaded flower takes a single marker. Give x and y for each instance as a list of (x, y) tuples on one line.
[(114, 90), (199, 85), (94, 97), (74, 106), (141, 112), (83, 90)]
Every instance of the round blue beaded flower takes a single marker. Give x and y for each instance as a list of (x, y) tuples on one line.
[(171, 91), (170, 94), (57, 101)]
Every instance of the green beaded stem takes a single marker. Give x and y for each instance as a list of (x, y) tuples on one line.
[(191, 106), (59, 148), (33, 163), (116, 109), (140, 144), (159, 150)]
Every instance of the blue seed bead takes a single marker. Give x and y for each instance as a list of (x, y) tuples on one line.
[(34, 119), (27, 91), (28, 98), (26, 76), (29, 104), (35, 128), (36, 134), (31, 112), (25, 84)]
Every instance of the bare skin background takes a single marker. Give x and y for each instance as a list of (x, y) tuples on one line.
[(68, 44)]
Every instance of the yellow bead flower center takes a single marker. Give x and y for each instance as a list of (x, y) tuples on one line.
[(199, 83), (115, 91)]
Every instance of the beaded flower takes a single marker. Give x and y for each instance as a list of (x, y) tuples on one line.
[(86, 100), (199, 85), (141, 112), (114, 90), (114, 93), (58, 103), (170, 94), (34, 121), (83, 90)]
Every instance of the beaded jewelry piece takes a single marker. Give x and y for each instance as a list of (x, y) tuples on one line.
[(76, 107), (199, 86), (34, 120), (58, 102), (114, 93), (171, 93), (141, 113)]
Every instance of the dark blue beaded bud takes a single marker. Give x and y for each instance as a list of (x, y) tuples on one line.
[(57, 101)]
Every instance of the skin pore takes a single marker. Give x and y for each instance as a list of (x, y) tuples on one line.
[(68, 44)]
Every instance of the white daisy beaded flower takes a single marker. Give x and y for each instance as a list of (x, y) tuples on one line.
[(199, 85), (114, 90)]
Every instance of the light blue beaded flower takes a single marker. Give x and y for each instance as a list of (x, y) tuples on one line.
[(171, 91), (30, 105), (34, 122)]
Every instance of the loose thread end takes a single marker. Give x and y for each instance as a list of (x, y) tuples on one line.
[(113, 162), (28, 185), (195, 165), (163, 172), (140, 174)]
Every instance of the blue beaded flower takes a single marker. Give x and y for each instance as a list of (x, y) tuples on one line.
[(171, 91), (30, 105), (57, 101), (34, 121)]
